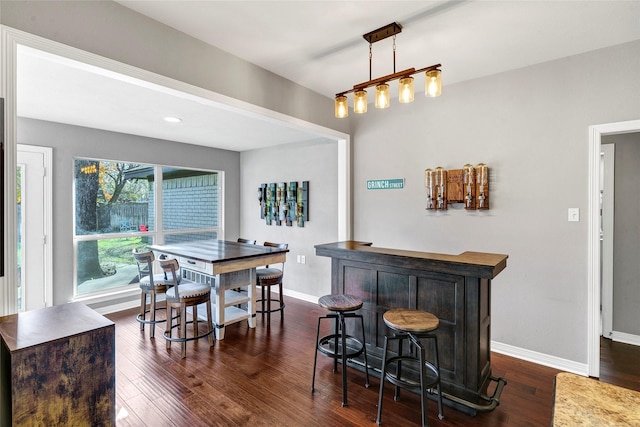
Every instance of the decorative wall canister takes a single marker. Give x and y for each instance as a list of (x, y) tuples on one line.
[(284, 202), (469, 185)]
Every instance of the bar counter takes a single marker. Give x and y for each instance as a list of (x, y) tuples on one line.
[(455, 288)]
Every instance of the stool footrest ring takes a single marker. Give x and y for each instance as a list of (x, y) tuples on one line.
[(185, 339), (326, 344), (408, 383), (273, 310)]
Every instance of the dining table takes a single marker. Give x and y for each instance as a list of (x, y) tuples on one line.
[(229, 267)]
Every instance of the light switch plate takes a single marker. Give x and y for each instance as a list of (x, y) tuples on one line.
[(574, 214)]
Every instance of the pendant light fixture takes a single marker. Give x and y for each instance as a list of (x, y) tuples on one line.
[(405, 90), (360, 102), (382, 96), (433, 83), (342, 107), (433, 79)]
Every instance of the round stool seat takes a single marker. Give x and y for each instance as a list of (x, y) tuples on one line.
[(339, 345), (414, 321), (340, 302), (414, 326), (268, 274)]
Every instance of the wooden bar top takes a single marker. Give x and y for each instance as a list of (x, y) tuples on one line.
[(479, 264), (582, 401), (32, 328)]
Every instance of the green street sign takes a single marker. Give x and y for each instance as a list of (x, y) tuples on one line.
[(385, 184)]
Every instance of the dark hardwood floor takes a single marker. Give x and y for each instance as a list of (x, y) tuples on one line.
[(263, 377)]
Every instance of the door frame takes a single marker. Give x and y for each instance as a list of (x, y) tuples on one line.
[(47, 212), (593, 240)]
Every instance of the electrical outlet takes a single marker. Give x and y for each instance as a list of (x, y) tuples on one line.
[(303, 259)]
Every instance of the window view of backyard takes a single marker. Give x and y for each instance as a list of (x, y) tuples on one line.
[(115, 212)]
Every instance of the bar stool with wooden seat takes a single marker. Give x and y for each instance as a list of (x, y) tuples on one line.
[(340, 345), (183, 294), (150, 285), (413, 326), (267, 277)]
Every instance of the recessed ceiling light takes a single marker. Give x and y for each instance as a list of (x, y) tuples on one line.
[(172, 119)]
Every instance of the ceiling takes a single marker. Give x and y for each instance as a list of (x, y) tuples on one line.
[(317, 44)]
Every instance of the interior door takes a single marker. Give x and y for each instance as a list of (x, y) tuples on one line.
[(34, 207), (606, 236)]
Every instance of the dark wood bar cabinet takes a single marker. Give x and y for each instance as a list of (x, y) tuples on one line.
[(455, 288)]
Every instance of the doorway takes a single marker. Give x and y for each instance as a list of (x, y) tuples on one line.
[(620, 215), (33, 182), (594, 249)]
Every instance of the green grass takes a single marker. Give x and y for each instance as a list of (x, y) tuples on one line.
[(118, 251)]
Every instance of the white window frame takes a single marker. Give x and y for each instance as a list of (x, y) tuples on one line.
[(157, 235)]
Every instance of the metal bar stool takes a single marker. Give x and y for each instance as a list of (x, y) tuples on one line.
[(411, 325), (339, 345), (266, 278)]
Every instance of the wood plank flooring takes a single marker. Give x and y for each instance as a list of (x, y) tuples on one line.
[(262, 377)]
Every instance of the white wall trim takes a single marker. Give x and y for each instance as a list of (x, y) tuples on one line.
[(344, 189), (625, 338), (117, 307), (540, 358), (8, 292), (593, 241), (301, 296)]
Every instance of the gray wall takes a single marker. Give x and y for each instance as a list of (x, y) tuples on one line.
[(69, 142), (531, 127), (626, 241), (316, 162)]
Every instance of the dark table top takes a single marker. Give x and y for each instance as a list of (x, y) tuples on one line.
[(213, 251)]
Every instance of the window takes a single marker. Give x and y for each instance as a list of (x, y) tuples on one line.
[(116, 210)]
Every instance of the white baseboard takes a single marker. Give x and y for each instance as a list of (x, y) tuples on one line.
[(541, 358), (299, 295), (623, 337), (108, 309)]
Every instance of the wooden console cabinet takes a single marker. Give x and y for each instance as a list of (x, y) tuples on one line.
[(57, 367), (455, 288)]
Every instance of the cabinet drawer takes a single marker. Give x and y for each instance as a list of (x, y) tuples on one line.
[(195, 265)]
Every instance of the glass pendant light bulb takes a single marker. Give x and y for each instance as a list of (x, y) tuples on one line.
[(360, 102), (382, 96), (342, 108), (433, 83), (405, 90)]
